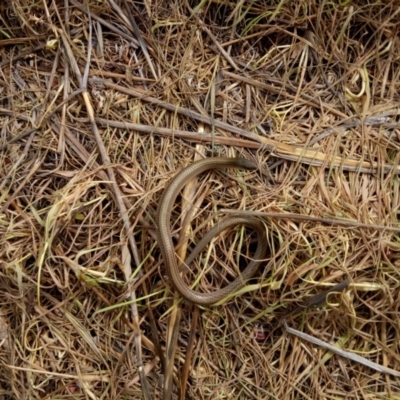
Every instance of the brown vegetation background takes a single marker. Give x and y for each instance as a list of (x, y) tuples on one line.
[(103, 102)]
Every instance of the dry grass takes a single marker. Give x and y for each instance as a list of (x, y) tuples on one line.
[(314, 88)]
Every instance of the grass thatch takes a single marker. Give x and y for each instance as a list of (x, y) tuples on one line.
[(102, 103)]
